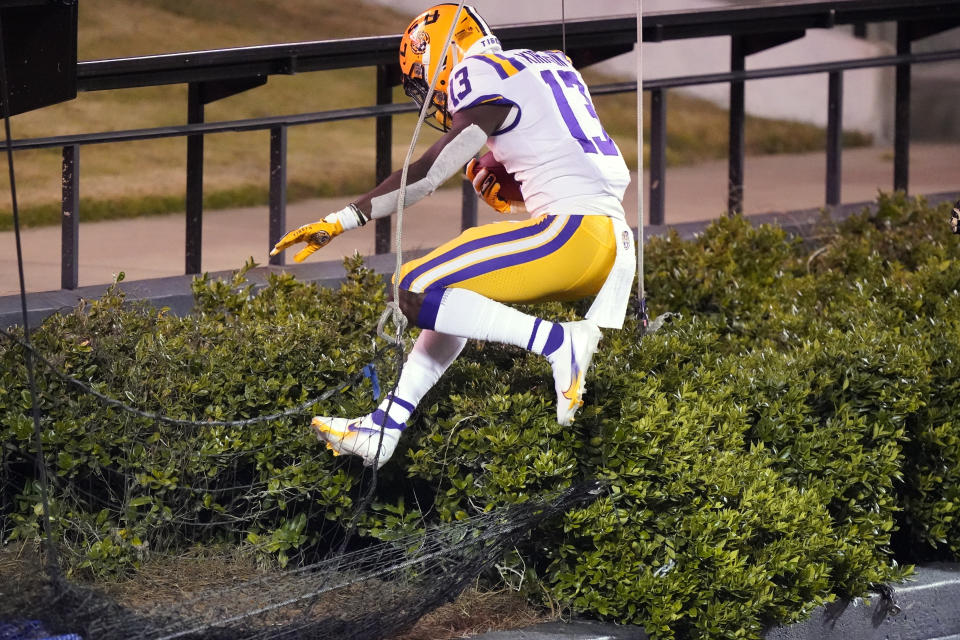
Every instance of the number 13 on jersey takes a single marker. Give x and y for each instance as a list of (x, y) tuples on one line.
[(569, 91)]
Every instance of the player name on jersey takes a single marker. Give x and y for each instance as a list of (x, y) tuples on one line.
[(543, 57)]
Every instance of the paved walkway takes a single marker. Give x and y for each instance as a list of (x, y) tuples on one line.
[(152, 247)]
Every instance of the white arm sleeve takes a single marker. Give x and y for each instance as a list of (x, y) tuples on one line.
[(449, 161)]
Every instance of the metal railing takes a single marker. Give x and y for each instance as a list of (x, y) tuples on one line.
[(213, 75)]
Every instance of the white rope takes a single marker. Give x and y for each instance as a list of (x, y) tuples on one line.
[(641, 293), (393, 308), (652, 326), (563, 26)]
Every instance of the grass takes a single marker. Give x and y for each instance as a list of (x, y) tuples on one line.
[(697, 129), (122, 180)]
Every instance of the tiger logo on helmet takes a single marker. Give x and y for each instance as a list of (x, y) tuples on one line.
[(419, 42), (421, 50)]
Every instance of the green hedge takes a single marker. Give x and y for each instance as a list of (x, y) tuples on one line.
[(793, 437)]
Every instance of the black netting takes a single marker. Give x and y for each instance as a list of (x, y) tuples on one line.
[(373, 592)]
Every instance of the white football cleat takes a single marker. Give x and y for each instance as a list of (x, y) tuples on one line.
[(358, 436), (570, 363)]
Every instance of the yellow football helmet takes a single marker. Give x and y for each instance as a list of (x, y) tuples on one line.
[(421, 48)]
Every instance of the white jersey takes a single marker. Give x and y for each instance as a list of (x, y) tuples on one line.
[(551, 140)]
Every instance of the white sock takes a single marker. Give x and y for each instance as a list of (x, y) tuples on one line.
[(470, 315), (430, 356)]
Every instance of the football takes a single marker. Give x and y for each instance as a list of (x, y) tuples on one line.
[(509, 187)]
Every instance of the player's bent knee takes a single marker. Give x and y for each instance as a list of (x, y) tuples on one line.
[(410, 304)]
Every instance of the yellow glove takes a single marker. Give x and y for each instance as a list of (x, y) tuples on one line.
[(487, 187), (319, 234)]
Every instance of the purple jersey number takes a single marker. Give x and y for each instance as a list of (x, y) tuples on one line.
[(460, 86), (602, 143)]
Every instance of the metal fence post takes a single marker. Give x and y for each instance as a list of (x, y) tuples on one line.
[(70, 217), (658, 155), (384, 149), (278, 190), (468, 207), (901, 118), (194, 222), (737, 118), (834, 136)]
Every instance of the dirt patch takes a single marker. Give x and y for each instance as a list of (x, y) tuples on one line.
[(477, 611), (174, 579)]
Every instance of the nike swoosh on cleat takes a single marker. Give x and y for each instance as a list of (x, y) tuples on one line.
[(354, 427), (571, 392)]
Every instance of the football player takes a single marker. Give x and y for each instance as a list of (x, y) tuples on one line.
[(534, 112)]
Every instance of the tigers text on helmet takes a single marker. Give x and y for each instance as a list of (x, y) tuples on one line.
[(421, 48)]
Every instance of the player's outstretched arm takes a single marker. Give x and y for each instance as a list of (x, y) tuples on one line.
[(470, 130), (446, 157)]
